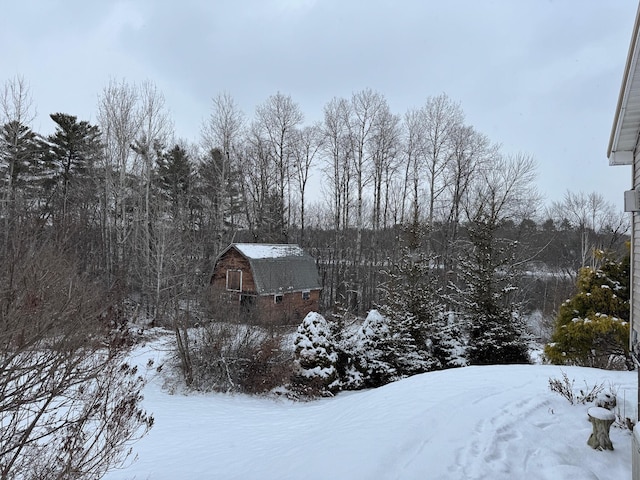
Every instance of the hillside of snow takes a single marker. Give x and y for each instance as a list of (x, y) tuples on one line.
[(495, 422)]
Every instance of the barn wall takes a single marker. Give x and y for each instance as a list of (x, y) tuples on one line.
[(292, 309), (232, 260)]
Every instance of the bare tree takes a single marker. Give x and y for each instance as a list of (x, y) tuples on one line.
[(413, 146), (429, 147), (153, 134), (471, 153), (338, 153), (338, 170), (384, 146), (598, 223), (442, 119), (16, 103), (222, 132), (69, 403), (308, 142), (277, 120), (261, 198), (119, 119), (366, 107)]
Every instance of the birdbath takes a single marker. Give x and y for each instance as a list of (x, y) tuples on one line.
[(601, 419)]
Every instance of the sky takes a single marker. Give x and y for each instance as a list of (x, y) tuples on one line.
[(539, 77)]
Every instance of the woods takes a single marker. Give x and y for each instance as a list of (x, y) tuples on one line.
[(150, 212)]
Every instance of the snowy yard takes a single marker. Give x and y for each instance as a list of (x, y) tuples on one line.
[(496, 422)]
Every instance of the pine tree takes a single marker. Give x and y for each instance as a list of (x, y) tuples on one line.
[(72, 151), (315, 357), (175, 179), (412, 305), (496, 334), (592, 328), (19, 152), (375, 341), (18, 146)]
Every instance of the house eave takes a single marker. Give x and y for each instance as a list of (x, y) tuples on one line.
[(626, 121), (621, 157)]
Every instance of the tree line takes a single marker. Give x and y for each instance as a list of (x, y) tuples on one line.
[(149, 213)]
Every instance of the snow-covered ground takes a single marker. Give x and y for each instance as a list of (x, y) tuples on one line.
[(496, 422)]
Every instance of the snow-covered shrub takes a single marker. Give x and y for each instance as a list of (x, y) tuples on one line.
[(393, 347), (315, 357), (449, 345), (376, 342), (345, 331)]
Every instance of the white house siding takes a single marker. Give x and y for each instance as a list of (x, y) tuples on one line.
[(635, 262)]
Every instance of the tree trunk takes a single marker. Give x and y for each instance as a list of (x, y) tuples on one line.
[(601, 419)]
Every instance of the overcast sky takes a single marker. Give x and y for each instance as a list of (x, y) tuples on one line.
[(540, 77)]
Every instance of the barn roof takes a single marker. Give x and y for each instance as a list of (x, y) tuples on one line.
[(279, 268)]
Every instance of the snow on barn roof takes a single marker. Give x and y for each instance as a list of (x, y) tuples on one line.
[(261, 250), (279, 268)]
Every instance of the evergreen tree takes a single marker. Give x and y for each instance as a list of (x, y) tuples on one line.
[(592, 328), (175, 178), (376, 344), (18, 146), (72, 151), (412, 305), (496, 334), (315, 357), (19, 151), (414, 302)]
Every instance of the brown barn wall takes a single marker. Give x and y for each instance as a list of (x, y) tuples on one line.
[(232, 260), (292, 309)]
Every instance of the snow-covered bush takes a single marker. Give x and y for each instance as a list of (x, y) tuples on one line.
[(376, 341), (315, 357), (345, 332), (393, 347), (448, 342)]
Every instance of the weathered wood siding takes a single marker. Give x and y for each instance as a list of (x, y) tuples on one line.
[(292, 309), (232, 260)]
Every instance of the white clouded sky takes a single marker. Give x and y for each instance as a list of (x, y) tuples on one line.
[(538, 76)]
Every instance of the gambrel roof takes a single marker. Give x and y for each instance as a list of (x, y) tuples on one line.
[(279, 268)]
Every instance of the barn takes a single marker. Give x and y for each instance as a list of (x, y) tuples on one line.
[(279, 280)]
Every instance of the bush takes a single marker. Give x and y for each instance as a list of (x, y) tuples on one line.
[(232, 358), (565, 388), (592, 327)]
